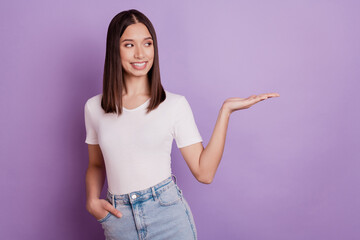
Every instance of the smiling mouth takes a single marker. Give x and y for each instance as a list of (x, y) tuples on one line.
[(139, 65)]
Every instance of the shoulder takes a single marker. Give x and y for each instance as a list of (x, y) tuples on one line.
[(174, 98), (94, 102)]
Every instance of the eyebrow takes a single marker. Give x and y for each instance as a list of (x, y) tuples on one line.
[(133, 39)]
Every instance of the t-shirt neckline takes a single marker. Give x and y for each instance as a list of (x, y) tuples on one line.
[(139, 107)]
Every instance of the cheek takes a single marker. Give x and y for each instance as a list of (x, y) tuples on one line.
[(123, 56), (125, 59), (150, 52)]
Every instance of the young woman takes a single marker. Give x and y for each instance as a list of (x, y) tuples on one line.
[(130, 128)]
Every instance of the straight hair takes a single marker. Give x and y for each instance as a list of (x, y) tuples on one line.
[(113, 79)]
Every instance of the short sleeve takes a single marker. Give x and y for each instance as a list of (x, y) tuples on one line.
[(185, 131), (91, 133)]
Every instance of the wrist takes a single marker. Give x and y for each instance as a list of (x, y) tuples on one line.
[(225, 111), (90, 202)]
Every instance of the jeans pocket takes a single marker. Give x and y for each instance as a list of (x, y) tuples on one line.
[(108, 215), (170, 196), (104, 218)]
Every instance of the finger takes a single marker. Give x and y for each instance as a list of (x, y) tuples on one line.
[(235, 98), (251, 97), (261, 97), (273, 95), (116, 213), (254, 99), (113, 210), (268, 95)]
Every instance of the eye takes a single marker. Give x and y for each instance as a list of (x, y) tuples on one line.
[(132, 44)]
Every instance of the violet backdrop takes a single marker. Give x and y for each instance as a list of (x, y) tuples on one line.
[(290, 169)]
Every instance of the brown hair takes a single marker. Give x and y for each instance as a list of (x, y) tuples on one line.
[(113, 81)]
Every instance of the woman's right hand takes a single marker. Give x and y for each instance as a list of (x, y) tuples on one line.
[(99, 208)]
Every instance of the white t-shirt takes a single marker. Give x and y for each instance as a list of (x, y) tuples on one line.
[(136, 147)]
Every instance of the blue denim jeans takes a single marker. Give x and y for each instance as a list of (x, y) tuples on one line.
[(156, 213)]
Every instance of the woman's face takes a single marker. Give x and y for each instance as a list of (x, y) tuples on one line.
[(136, 50)]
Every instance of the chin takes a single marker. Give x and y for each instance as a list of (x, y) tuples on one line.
[(139, 74)]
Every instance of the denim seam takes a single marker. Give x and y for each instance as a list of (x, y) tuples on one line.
[(191, 224), (104, 218), (157, 194), (112, 201), (144, 225), (162, 186), (173, 202), (158, 190)]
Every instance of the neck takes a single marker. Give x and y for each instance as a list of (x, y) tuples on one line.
[(136, 85)]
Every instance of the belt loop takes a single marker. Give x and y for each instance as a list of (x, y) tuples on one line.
[(174, 177), (153, 193)]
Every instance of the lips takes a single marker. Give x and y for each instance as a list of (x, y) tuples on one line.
[(139, 65)]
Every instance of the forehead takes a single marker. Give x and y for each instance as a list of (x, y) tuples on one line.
[(136, 31)]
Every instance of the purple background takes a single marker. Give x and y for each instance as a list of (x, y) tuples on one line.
[(290, 169)]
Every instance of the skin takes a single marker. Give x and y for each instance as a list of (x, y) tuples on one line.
[(136, 45), (202, 162)]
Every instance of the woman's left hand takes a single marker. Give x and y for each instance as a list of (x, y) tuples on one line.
[(234, 104)]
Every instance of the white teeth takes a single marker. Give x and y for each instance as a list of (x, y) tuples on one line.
[(139, 64)]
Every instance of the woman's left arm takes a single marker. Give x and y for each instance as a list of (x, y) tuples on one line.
[(203, 162)]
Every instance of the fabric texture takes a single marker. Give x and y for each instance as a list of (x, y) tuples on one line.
[(136, 145), (157, 213)]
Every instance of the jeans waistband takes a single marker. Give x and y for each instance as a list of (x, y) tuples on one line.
[(142, 195)]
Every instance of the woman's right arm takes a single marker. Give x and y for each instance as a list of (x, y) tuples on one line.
[(95, 174), (95, 178)]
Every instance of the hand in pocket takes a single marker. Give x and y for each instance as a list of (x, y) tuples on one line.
[(99, 208)]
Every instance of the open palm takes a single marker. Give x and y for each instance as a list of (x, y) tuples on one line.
[(234, 104)]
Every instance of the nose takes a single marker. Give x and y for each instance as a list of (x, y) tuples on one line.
[(139, 53)]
